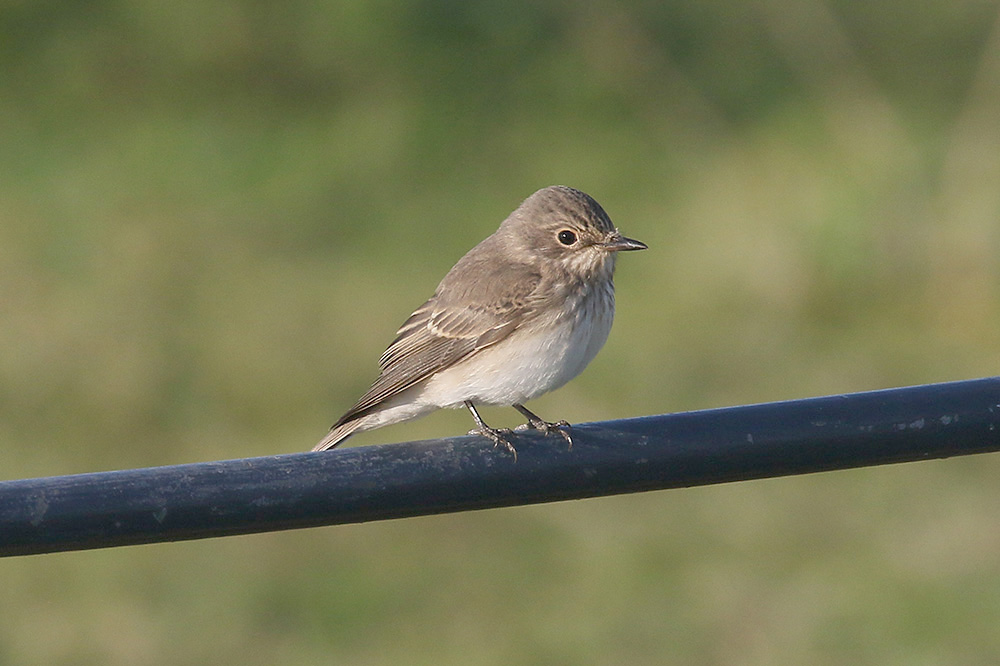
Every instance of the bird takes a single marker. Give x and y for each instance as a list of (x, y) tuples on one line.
[(521, 314)]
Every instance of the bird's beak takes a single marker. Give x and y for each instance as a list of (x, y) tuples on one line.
[(618, 243)]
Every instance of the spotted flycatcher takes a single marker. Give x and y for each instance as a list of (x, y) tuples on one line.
[(519, 315)]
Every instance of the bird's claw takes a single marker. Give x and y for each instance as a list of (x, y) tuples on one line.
[(547, 427), (498, 436)]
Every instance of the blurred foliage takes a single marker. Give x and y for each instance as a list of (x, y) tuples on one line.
[(214, 216)]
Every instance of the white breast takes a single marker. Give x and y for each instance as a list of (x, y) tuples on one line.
[(531, 361)]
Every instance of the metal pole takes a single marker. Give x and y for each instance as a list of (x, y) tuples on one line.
[(436, 476)]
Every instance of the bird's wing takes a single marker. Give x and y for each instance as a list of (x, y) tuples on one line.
[(455, 323)]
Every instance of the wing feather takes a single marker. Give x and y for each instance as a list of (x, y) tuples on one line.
[(473, 308)]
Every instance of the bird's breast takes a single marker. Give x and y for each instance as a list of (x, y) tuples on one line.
[(544, 353)]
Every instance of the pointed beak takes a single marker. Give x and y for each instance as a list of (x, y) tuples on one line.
[(618, 243)]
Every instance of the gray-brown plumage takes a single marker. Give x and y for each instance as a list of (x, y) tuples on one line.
[(520, 314)]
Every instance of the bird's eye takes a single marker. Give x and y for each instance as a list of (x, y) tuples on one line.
[(566, 237)]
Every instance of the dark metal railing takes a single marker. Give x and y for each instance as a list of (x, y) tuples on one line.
[(417, 478)]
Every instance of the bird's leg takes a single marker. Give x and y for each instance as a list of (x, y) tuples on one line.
[(497, 435), (537, 423)]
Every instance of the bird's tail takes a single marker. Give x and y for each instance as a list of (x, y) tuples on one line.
[(338, 434)]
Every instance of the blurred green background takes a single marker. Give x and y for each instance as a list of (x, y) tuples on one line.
[(213, 217)]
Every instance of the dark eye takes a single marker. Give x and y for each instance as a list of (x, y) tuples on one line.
[(566, 237)]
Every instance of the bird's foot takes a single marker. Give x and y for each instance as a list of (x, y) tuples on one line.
[(498, 436), (545, 427)]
